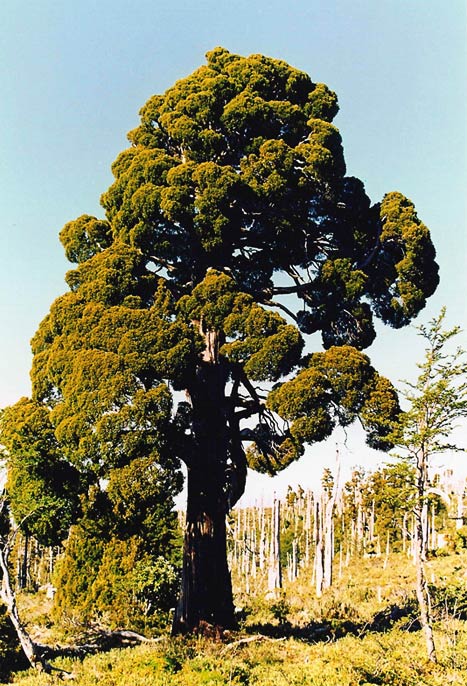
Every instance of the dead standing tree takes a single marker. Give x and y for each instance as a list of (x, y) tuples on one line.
[(275, 567), (324, 518)]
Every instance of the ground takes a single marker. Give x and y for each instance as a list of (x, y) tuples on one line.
[(362, 631)]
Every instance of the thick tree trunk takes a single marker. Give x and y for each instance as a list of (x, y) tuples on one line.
[(206, 594)]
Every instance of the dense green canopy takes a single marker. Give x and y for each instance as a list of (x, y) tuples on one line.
[(232, 201), (238, 167)]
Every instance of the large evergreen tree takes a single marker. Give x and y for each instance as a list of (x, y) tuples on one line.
[(231, 231)]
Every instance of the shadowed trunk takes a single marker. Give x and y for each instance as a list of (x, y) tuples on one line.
[(206, 593)]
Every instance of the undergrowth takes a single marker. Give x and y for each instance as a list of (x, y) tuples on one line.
[(394, 659), (362, 631)]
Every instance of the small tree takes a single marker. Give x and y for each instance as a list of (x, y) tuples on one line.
[(391, 491), (436, 400)]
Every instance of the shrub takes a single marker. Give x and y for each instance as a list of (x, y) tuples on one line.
[(449, 600), (115, 583), (461, 537)]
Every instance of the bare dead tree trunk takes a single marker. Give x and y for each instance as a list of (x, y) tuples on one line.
[(262, 539), (388, 550), (275, 568), (328, 532), (308, 527), (371, 526), (328, 540), (24, 566), (319, 550), (8, 596)]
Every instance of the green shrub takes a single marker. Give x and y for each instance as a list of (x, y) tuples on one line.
[(115, 583), (449, 600), (461, 537), (280, 608)]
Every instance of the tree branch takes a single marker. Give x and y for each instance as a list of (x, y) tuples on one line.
[(285, 309)]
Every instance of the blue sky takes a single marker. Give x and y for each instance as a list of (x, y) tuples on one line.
[(74, 75)]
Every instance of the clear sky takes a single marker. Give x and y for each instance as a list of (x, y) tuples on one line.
[(74, 74)]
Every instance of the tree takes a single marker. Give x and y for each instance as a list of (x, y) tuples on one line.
[(124, 543), (436, 401), (44, 489), (230, 207), (390, 493)]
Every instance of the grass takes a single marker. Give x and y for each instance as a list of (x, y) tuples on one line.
[(332, 641), (395, 658)]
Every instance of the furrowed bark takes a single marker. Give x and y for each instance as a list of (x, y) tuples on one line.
[(206, 593)]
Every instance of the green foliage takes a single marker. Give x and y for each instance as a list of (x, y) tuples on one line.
[(85, 237), (235, 174), (347, 638), (43, 488), (119, 564), (280, 608), (390, 492), (231, 204), (449, 600), (461, 535), (223, 171), (337, 386), (437, 399), (75, 572), (392, 659), (255, 338), (413, 265), (115, 583)]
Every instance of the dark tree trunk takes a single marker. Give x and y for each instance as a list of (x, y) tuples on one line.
[(206, 593), (24, 565)]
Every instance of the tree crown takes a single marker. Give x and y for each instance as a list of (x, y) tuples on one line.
[(231, 222)]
